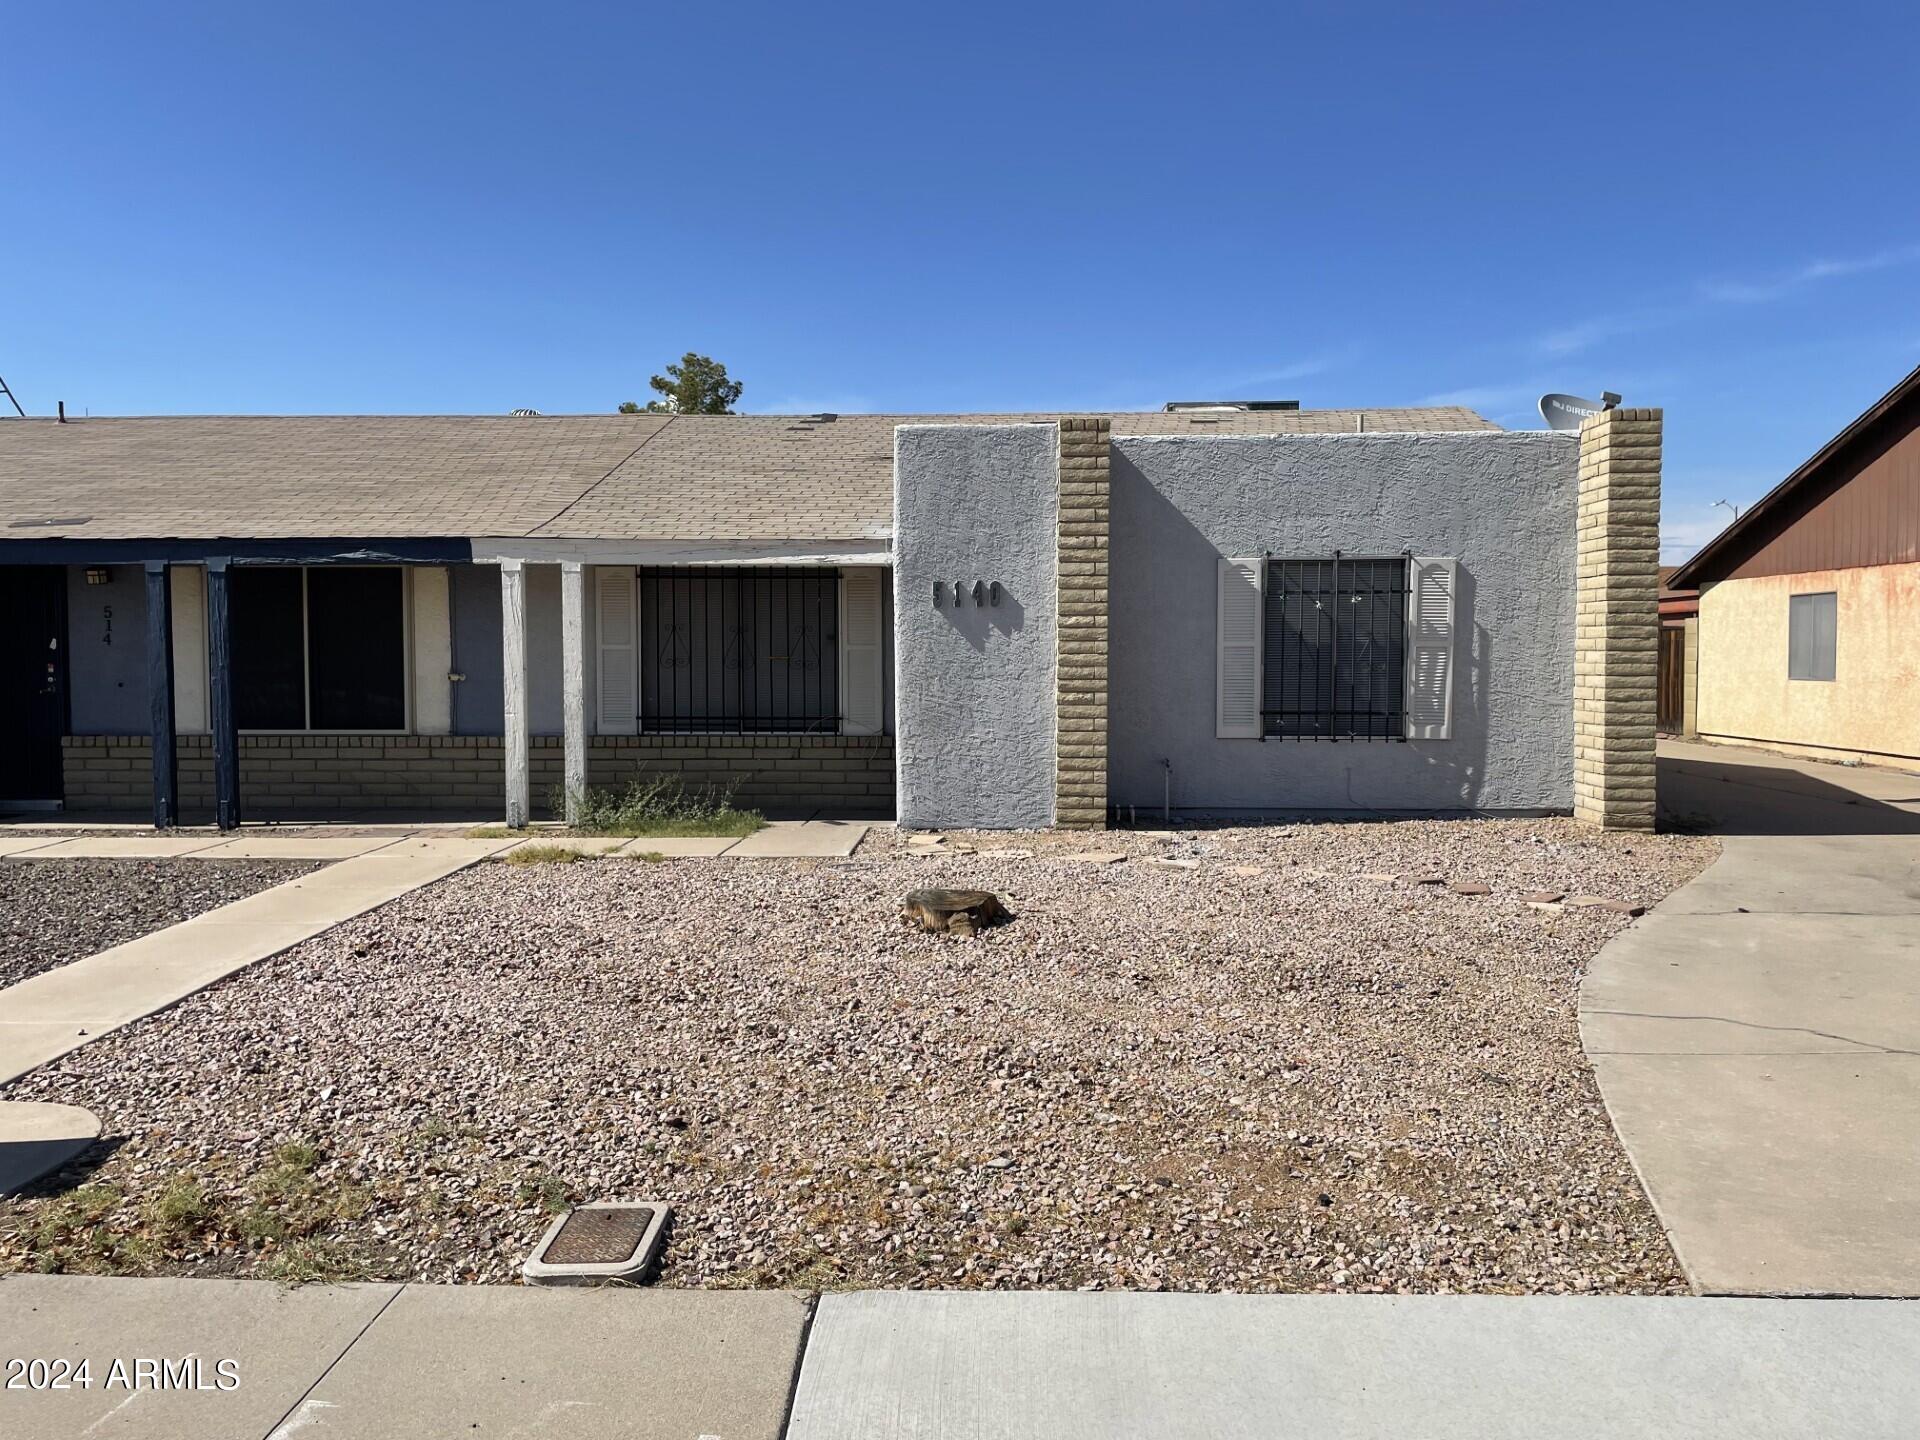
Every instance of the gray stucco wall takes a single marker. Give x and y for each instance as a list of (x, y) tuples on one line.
[(479, 703), (1503, 504), (107, 654), (473, 595), (975, 732)]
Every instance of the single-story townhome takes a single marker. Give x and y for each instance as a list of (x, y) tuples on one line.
[(1810, 601), (988, 620)]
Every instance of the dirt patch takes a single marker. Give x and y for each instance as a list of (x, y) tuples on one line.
[(1279, 1064)]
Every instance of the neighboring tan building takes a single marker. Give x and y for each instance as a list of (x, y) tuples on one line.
[(1809, 637)]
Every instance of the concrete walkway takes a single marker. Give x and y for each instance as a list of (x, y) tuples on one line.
[(59, 1010), (779, 839), (430, 1361), (1757, 1037)]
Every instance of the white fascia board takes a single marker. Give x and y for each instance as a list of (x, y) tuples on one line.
[(874, 551)]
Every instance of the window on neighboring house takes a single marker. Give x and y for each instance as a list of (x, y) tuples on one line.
[(1334, 662), (742, 650), (1812, 635), (318, 649)]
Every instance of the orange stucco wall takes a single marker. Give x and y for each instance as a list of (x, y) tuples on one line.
[(1870, 709)]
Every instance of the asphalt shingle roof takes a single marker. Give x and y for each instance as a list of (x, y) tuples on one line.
[(612, 477)]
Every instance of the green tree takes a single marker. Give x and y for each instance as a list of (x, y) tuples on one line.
[(698, 385)]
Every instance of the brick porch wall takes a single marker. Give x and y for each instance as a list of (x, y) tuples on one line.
[(466, 772)]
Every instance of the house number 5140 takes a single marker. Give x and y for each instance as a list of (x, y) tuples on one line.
[(983, 593)]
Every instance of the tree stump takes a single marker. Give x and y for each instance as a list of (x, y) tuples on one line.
[(952, 912)]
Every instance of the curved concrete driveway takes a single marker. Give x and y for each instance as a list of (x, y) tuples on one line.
[(1757, 1037)]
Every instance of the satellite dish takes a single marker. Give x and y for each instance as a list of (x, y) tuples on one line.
[(1570, 412)]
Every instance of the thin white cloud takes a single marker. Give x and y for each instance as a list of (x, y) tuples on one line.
[(1572, 339), (1502, 398), (1776, 287), (1589, 333), (1303, 369)]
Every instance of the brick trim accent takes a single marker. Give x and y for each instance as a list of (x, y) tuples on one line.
[(1080, 698), (466, 772), (1617, 627)]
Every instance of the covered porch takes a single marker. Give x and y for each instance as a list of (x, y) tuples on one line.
[(386, 680)]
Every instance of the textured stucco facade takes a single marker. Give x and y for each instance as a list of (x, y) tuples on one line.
[(975, 505), (1503, 504), (1867, 711)]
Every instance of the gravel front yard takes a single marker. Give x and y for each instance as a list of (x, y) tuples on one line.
[(53, 911), (1286, 1066)]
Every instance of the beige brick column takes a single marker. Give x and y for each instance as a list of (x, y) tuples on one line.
[(1080, 701), (1617, 634)]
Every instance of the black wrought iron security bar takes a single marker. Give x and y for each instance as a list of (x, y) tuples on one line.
[(739, 651), (1334, 648)]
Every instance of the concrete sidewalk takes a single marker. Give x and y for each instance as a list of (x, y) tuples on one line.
[(885, 1366), (430, 1361), (382, 1361), (1757, 1037)]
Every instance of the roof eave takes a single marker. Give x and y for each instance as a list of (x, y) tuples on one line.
[(1688, 576)]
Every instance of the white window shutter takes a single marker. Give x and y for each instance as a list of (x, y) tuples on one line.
[(1430, 648), (190, 700), (1237, 647), (862, 698), (616, 628), (432, 650)]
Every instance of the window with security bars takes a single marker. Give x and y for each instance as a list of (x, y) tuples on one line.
[(742, 650), (1334, 649)]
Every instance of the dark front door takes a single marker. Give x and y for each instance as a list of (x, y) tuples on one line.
[(1672, 675), (33, 681)]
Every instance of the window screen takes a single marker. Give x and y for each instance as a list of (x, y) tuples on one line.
[(1812, 633), (320, 649), (1334, 659)]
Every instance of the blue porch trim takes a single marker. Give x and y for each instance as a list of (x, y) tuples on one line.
[(348, 551)]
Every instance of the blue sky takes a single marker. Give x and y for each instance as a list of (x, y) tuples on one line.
[(349, 207)]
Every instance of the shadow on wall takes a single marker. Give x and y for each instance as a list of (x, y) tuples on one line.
[(1164, 658), (976, 621)]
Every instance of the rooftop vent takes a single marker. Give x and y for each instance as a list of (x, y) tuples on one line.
[(524, 414), (1176, 406)]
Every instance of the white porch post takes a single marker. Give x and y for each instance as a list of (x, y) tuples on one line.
[(573, 684), (513, 674)]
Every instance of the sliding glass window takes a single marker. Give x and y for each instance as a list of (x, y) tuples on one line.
[(319, 649)]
